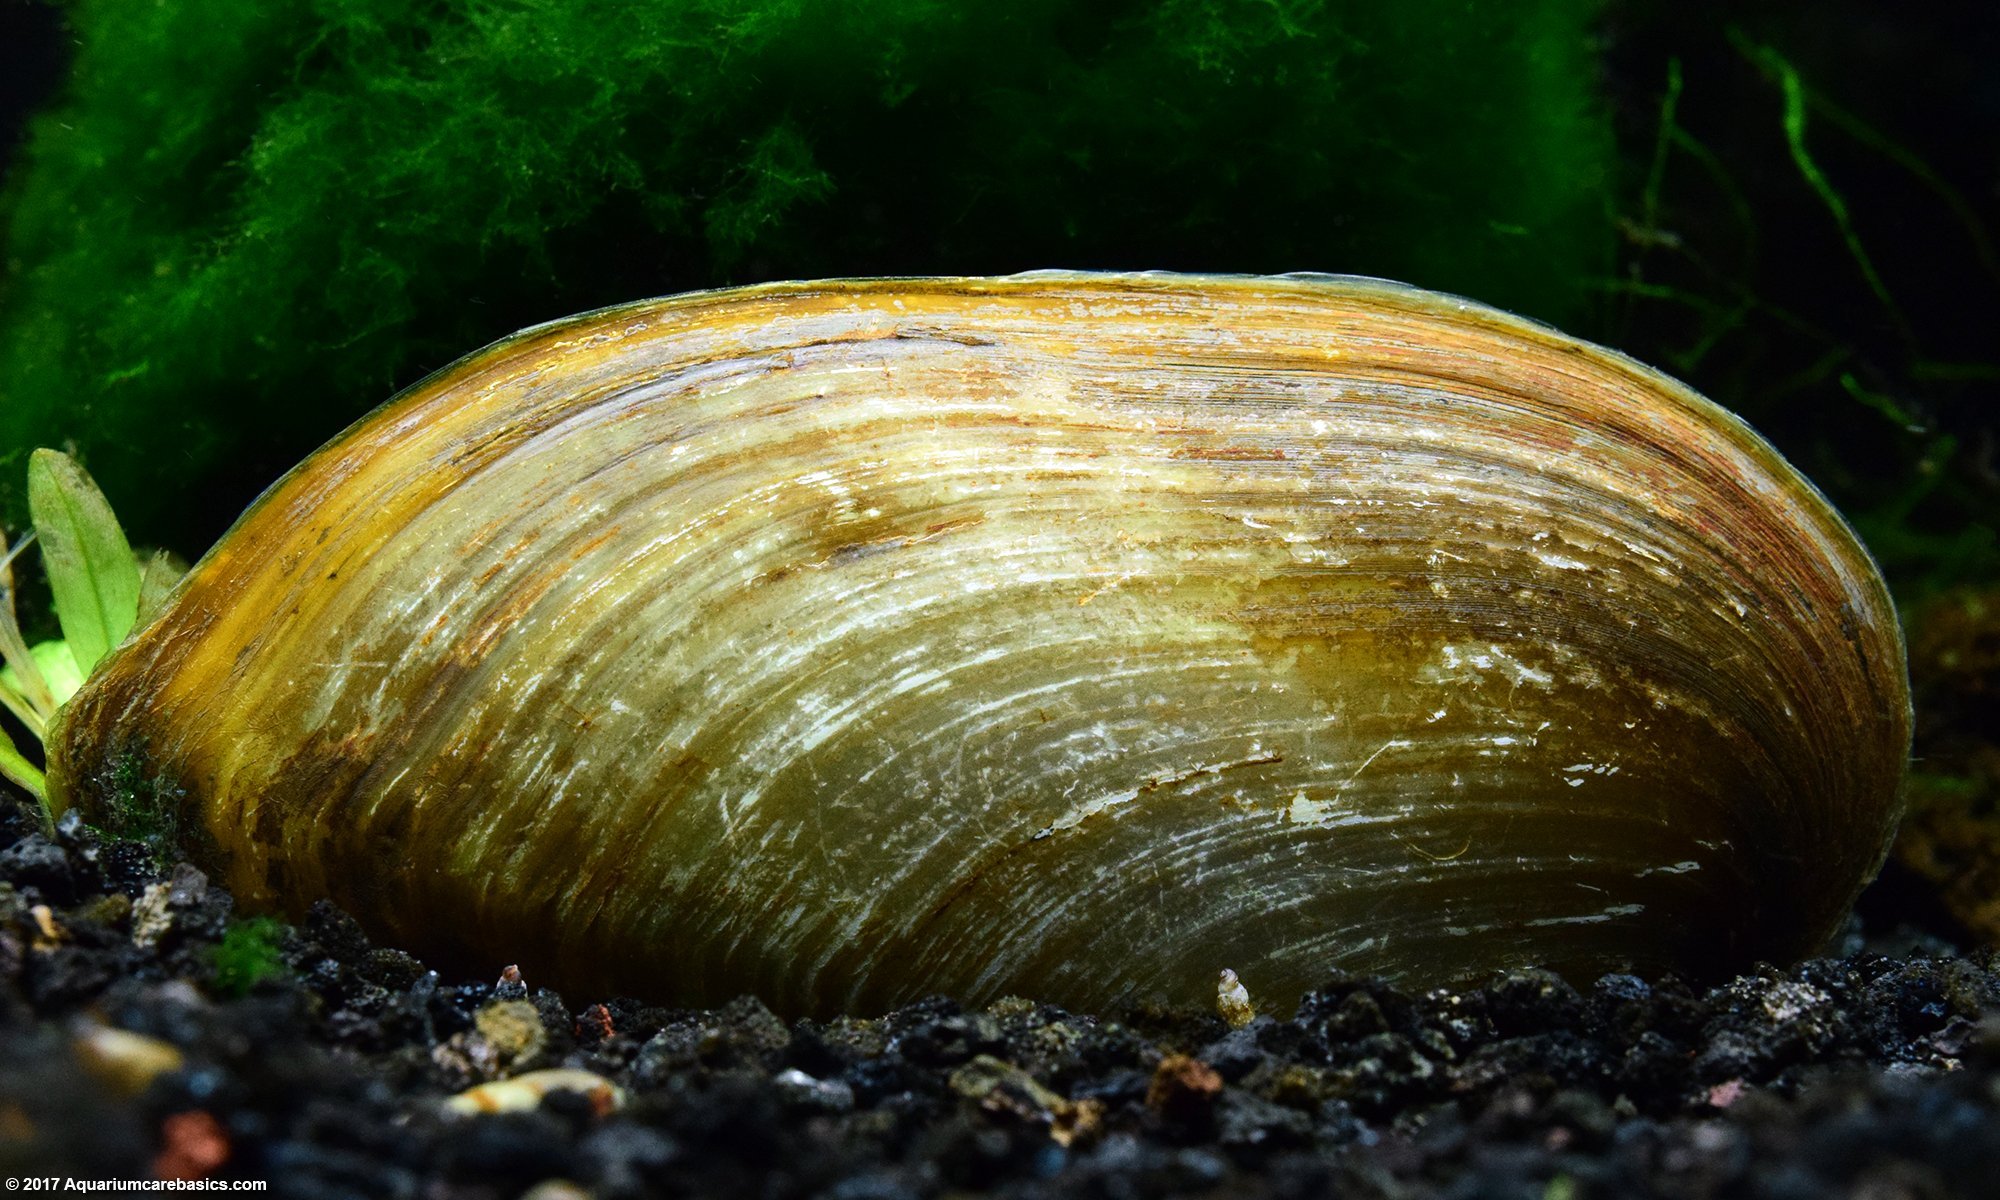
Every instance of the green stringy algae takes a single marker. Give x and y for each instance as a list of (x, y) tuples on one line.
[(243, 224)]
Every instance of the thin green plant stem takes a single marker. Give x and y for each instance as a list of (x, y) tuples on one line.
[(17, 770), (1649, 201), (1813, 375), (1949, 196), (1656, 172), (1732, 192), (34, 703), (1883, 403), (24, 712), (1732, 321), (1931, 370), (1793, 90)]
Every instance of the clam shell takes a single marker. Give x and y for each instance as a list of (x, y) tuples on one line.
[(1070, 635)]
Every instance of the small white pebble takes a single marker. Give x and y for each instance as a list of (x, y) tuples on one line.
[(524, 1093)]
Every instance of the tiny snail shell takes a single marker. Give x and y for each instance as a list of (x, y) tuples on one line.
[(1071, 635)]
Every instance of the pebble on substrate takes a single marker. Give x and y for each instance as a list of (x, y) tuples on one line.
[(525, 1093), (121, 1060), (1003, 1088)]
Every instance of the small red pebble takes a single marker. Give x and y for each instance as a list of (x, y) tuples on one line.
[(596, 1018), (1182, 1088), (191, 1145)]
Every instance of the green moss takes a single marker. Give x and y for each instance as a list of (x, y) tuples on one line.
[(248, 954), (246, 223), (140, 806)]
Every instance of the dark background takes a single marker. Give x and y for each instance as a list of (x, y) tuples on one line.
[(1869, 354), (31, 62)]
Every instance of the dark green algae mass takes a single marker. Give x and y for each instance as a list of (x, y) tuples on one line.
[(242, 224)]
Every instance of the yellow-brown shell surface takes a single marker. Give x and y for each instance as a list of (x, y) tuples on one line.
[(1070, 635)]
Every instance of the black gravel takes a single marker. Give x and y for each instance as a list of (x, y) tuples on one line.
[(1871, 1075)]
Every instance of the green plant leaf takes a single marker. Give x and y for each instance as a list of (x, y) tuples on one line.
[(92, 574), (23, 691), (58, 668), (156, 582), (14, 767)]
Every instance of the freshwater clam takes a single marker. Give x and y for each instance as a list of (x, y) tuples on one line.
[(1074, 635)]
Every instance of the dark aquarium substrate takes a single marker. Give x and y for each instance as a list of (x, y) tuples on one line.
[(308, 1057)]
